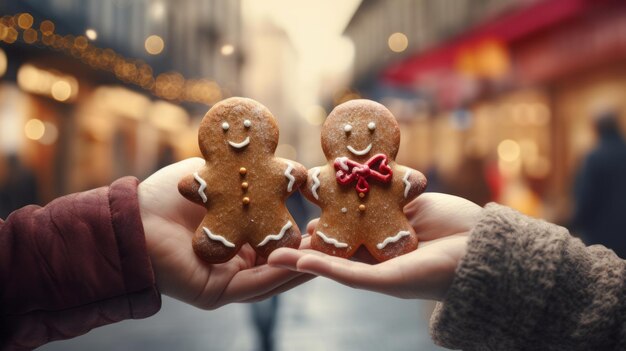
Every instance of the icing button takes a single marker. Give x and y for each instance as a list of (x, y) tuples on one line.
[(361, 195), (344, 210), (361, 207), (243, 171), (244, 185), (246, 200)]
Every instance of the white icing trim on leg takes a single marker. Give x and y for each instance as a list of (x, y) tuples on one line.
[(278, 236), (331, 241), (217, 237), (393, 239), (407, 184), (202, 186), (316, 182), (291, 178)]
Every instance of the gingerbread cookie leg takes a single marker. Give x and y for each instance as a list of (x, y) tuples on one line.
[(212, 243), (286, 236), (394, 244), (327, 240)]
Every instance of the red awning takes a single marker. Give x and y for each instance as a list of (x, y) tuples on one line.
[(505, 29)]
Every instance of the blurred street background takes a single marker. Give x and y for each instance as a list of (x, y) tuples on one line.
[(498, 100)]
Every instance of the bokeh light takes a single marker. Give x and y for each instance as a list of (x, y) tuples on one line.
[(46, 27), (508, 150), (398, 42), (25, 20), (61, 90), (34, 129), (91, 34), (154, 45), (227, 49), (3, 62)]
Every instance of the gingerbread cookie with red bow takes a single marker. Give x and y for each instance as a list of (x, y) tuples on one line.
[(362, 190), (242, 185)]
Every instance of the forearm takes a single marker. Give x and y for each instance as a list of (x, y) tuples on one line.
[(528, 284), (75, 264)]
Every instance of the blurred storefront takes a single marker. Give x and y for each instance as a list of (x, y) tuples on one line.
[(505, 109), (91, 91)]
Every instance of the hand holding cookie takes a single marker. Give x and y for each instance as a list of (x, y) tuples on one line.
[(362, 190), (242, 185), (442, 222), (169, 223)]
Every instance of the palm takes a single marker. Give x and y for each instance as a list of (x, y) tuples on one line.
[(170, 221), (442, 223)]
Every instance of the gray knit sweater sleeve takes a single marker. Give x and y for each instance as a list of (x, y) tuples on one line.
[(526, 284)]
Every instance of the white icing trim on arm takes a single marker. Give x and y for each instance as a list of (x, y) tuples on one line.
[(393, 239), (342, 163), (291, 178), (217, 238), (202, 186), (316, 182), (407, 184), (360, 152), (331, 241), (278, 236), (241, 144)]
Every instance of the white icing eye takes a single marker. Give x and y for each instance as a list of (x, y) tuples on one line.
[(347, 128), (247, 123), (225, 125), (371, 126)]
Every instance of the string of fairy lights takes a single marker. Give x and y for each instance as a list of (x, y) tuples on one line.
[(171, 86)]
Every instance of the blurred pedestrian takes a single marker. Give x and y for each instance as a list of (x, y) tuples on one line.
[(600, 189)]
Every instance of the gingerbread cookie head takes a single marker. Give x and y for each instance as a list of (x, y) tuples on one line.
[(243, 186), (237, 126), (358, 129), (362, 190)]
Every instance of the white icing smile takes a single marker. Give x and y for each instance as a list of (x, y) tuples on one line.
[(360, 152), (241, 144)]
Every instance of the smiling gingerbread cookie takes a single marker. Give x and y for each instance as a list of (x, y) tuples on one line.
[(242, 185), (362, 190)]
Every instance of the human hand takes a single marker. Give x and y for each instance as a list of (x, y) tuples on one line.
[(170, 221), (442, 223)]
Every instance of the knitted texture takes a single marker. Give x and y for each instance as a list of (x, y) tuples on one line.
[(526, 284)]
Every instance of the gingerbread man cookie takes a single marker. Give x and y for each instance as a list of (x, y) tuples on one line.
[(242, 185), (362, 191)]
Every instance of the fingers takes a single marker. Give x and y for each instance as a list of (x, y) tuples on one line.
[(435, 215), (358, 275), (285, 287), (310, 228), (261, 281), (258, 281)]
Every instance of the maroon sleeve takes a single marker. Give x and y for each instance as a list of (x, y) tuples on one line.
[(78, 263)]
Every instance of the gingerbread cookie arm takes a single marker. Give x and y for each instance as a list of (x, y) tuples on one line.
[(311, 190), (295, 175), (193, 188), (413, 182)]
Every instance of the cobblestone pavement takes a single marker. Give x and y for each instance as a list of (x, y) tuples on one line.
[(320, 315)]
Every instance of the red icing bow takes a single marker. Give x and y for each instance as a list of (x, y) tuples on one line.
[(376, 168)]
